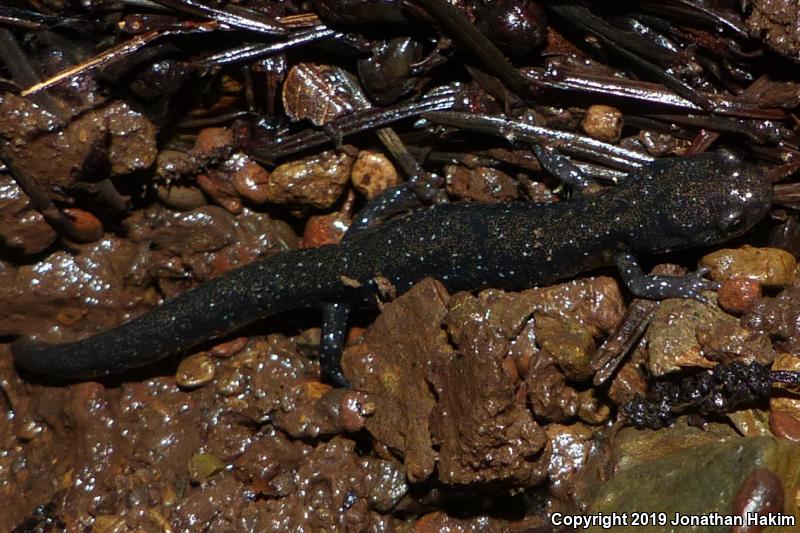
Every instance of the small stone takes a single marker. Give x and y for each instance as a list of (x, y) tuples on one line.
[(784, 418), (590, 409), (195, 371), (204, 465), (772, 267), (219, 188), (482, 184), (570, 343), (88, 227), (737, 294), (224, 350), (317, 181), (672, 342), (251, 180), (325, 229), (373, 173), (603, 123), (785, 424), (213, 140), (181, 197), (760, 494)]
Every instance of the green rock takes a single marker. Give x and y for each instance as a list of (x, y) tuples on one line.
[(683, 470)]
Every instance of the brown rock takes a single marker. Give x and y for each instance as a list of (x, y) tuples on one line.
[(779, 317), (317, 181), (391, 367), (603, 122), (737, 295), (22, 228), (249, 179), (482, 184), (570, 344), (213, 141), (771, 267), (88, 227), (483, 432), (219, 188), (373, 173), (761, 493)]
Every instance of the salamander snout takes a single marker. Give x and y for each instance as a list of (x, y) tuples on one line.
[(705, 199), (744, 195)]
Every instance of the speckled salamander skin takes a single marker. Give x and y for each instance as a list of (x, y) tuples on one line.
[(670, 204)]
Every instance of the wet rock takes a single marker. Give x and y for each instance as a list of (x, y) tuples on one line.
[(603, 123), (270, 463), (672, 335), (373, 173), (569, 343), (785, 401), (227, 349), (570, 447), (67, 296), (771, 267), (86, 226), (391, 366), (439, 521), (319, 410), (728, 341), (174, 164), (780, 318), (483, 432), (56, 158), (685, 470), (277, 368), (591, 408), (334, 477), (204, 465), (627, 383), (218, 187), (481, 184), (195, 371), (250, 180), (776, 22), (180, 197), (317, 181), (216, 505), (594, 302), (761, 494), (22, 228), (737, 295), (659, 144), (548, 393), (194, 246), (213, 143)]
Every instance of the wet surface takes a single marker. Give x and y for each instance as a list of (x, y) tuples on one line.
[(472, 411)]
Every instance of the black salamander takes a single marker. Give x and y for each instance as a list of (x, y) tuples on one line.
[(669, 204)]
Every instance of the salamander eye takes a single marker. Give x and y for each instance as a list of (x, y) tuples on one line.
[(732, 221)]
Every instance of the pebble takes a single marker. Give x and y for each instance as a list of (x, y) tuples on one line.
[(772, 267), (195, 371), (603, 123), (317, 181), (761, 493), (373, 173), (737, 295)]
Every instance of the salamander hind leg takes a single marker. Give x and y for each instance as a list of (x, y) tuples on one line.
[(334, 330)]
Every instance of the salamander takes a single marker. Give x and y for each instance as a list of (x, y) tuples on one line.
[(670, 204)]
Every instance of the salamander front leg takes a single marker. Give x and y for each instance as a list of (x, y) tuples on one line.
[(562, 168), (334, 329), (660, 287)]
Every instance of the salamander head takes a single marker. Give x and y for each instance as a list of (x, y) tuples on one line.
[(703, 200)]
